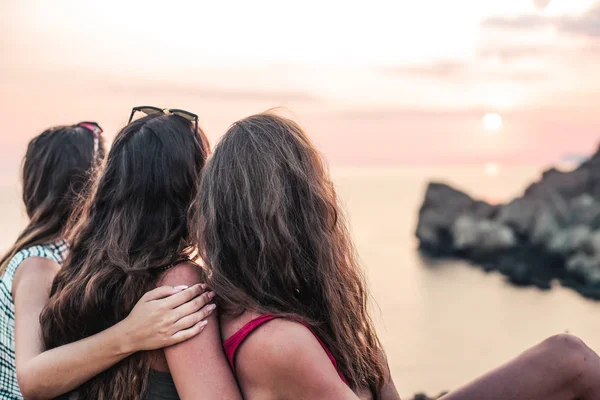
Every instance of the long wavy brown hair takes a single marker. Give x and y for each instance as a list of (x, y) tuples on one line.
[(135, 222), (56, 173), (275, 241)]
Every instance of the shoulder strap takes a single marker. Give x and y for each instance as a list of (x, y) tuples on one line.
[(232, 344)]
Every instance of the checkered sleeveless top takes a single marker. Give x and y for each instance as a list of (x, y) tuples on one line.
[(9, 388)]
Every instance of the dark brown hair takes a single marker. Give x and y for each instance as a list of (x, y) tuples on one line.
[(56, 171), (275, 241), (135, 222)]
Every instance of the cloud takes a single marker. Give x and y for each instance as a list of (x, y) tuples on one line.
[(103, 81), (508, 53), (214, 93), (441, 69), (464, 72), (407, 112), (550, 53), (519, 22), (586, 24), (541, 4)]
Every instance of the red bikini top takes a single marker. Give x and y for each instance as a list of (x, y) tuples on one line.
[(232, 344)]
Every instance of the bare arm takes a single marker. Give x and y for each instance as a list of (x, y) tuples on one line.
[(283, 360), (388, 391), (198, 365), (47, 374)]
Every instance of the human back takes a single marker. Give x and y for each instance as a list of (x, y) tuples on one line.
[(278, 244)]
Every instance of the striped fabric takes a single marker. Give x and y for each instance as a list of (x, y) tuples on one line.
[(9, 388)]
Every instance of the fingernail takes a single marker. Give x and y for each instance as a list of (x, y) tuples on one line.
[(211, 295), (180, 287), (203, 323), (211, 307), (204, 286)]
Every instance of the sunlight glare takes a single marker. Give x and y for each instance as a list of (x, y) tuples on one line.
[(492, 169), (492, 122)]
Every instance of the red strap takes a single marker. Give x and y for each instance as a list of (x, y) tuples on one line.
[(232, 344)]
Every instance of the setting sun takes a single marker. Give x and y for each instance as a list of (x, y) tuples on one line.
[(492, 122), (491, 169)]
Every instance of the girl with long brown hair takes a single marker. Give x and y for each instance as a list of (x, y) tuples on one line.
[(293, 300), (133, 235), (58, 166)]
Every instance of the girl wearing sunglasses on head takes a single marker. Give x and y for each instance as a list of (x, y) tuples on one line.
[(57, 169), (133, 236)]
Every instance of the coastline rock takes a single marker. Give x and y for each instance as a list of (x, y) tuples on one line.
[(441, 207), (422, 396), (472, 234), (550, 233)]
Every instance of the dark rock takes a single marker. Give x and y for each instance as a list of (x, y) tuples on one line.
[(422, 396), (477, 235), (441, 207), (550, 233)]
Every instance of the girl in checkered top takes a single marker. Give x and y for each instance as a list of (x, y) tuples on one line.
[(56, 172)]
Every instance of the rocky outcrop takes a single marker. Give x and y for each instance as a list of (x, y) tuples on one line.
[(550, 233), (421, 396)]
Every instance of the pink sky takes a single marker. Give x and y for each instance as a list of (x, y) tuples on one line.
[(381, 82)]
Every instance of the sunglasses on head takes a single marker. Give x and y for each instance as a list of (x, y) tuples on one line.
[(96, 131), (150, 110)]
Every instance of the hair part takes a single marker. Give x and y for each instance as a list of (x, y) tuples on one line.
[(57, 170), (135, 222), (275, 240)]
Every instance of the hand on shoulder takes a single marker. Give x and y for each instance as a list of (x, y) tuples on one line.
[(174, 312)]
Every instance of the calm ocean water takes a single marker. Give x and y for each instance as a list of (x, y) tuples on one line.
[(442, 325)]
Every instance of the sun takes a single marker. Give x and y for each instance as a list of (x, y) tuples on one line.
[(492, 169), (492, 122)]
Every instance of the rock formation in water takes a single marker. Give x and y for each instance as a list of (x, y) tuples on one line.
[(551, 232), (421, 396)]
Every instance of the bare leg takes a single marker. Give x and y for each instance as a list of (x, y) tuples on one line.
[(560, 368)]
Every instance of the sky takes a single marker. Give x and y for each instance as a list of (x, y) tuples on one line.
[(393, 82)]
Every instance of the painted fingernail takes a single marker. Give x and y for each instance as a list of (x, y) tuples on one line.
[(180, 287)]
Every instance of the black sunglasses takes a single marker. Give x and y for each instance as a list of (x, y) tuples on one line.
[(150, 110)]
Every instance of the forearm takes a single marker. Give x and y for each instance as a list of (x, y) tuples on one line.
[(389, 392), (62, 369)]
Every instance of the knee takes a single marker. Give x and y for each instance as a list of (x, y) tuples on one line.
[(565, 343), (569, 353)]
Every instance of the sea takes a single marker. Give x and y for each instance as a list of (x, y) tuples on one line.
[(442, 323)]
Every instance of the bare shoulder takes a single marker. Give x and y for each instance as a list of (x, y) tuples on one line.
[(281, 337), (35, 273), (281, 353), (37, 265), (185, 273)]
